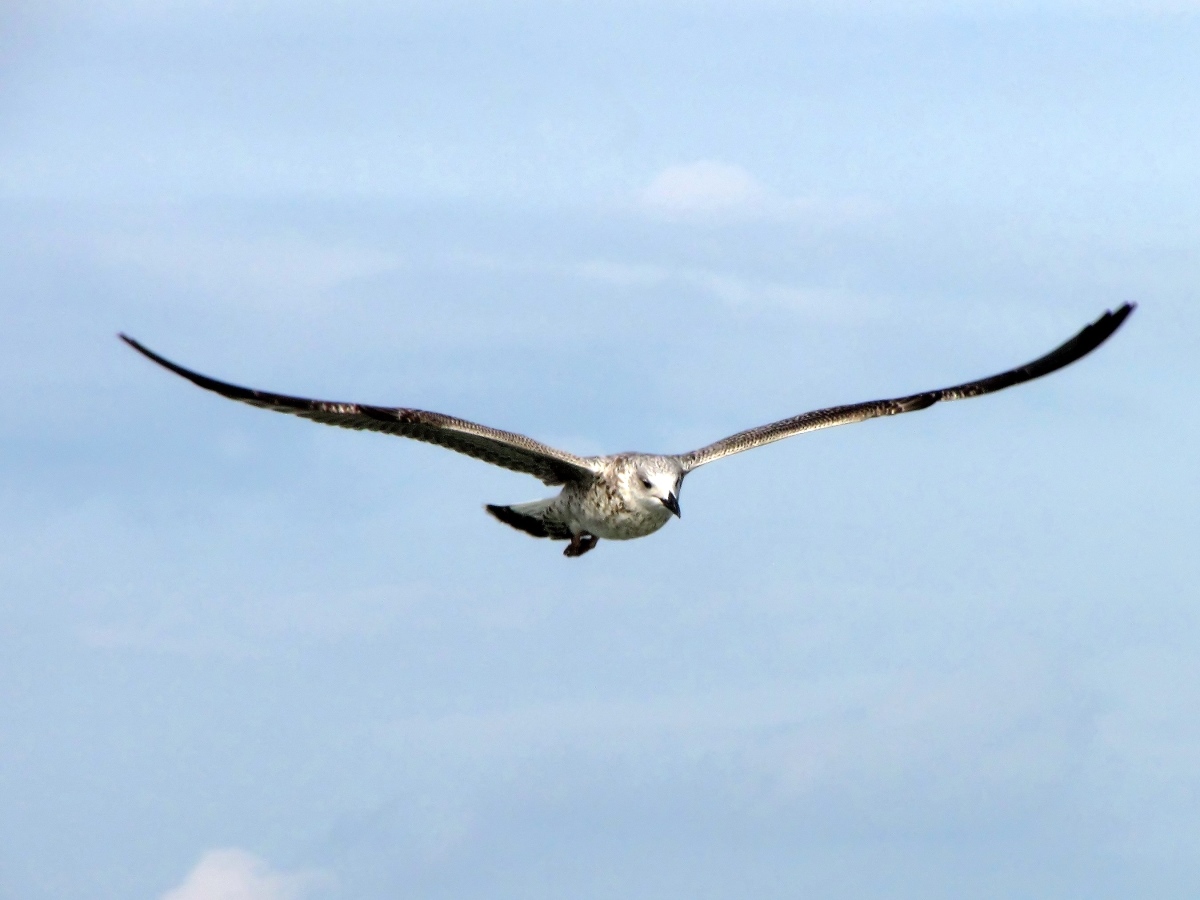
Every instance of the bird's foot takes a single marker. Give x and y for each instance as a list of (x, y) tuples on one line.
[(580, 544)]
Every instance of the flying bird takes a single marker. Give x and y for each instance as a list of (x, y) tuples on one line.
[(626, 495)]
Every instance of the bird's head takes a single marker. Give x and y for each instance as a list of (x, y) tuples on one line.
[(655, 483)]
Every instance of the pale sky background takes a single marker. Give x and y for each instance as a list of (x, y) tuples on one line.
[(954, 654)]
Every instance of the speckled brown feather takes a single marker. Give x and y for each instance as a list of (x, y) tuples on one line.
[(1079, 346), (500, 448)]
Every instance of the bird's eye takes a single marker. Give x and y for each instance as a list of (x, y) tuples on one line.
[(645, 482)]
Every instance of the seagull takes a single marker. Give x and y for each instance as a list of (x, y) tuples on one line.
[(625, 495)]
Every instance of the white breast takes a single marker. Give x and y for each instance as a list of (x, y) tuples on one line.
[(616, 519)]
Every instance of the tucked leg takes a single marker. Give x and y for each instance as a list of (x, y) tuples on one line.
[(580, 544)]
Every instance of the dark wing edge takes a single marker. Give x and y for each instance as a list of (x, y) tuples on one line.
[(500, 448), (1076, 348)]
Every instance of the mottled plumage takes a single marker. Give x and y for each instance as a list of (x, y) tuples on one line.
[(628, 495)]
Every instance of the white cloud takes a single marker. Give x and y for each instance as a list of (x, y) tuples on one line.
[(896, 751), (705, 188), (711, 191), (232, 874), (817, 303), (264, 271)]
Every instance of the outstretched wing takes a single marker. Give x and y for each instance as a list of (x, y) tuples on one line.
[(1079, 346), (500, 448)]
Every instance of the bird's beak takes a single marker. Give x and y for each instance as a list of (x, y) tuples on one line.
[(672, 503)]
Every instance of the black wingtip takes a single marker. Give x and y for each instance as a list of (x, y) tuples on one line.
[(150, 354), (1091, 337), (1106, 326), (162, 361), (232, 391)]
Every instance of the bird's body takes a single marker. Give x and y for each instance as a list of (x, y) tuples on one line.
[(626, 495), (629, 495), (617, 505)]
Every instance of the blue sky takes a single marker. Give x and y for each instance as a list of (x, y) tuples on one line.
[(951, 654)]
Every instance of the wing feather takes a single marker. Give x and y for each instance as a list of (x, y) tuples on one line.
[(1077, 347), (500, 448)]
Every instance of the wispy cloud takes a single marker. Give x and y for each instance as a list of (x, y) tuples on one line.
[(704, 188), (991, 744), (824, 303), (713, 191), (232, 874), (262, 271), (730, 288)]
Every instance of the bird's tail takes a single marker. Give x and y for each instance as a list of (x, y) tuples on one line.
[(531, 518)]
